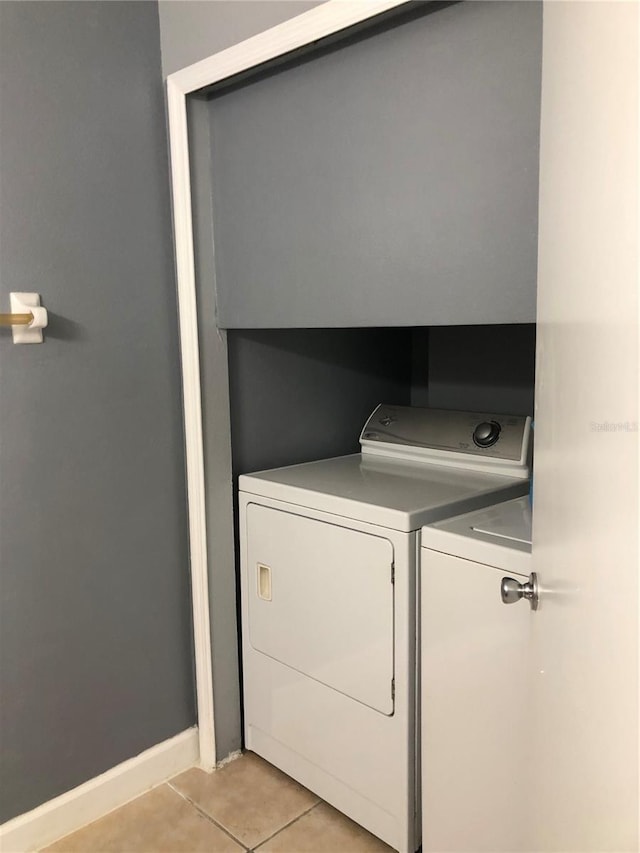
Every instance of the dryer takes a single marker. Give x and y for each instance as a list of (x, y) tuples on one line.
[(329, 551)]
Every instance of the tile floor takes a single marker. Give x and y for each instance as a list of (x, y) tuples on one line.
[(246, 805)]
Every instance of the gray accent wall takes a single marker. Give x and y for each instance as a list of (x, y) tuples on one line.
[(475, 368), (192, 30), (95, 645), (304, 394), (389, 182)]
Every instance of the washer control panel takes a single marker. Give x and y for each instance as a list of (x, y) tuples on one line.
[(487, 434)]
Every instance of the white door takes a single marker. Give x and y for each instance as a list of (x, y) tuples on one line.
[(583, 734)]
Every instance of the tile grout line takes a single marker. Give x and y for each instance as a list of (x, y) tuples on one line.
[(227, 832), (205, 814), (286, 826)]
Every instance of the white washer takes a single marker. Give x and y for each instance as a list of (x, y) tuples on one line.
[(328, 577), (473, 683)]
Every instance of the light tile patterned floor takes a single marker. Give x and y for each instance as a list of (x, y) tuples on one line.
[(244, 806)]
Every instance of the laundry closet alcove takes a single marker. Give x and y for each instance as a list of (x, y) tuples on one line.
[(365, 229)]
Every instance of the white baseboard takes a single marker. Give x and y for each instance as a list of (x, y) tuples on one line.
[(95, 798)]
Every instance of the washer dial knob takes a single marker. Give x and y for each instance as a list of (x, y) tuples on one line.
[(486, 434)]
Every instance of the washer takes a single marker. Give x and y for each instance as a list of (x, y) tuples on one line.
[(473, 681), (328, 577)]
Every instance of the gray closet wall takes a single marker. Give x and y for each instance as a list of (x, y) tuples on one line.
[(191, 30), (303, 394), (475, 368), (390, 182)]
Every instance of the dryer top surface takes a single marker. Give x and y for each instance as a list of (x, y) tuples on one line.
[(394, 494)]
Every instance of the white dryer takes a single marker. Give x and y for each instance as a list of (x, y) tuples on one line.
[(328, 576), (474, 691)]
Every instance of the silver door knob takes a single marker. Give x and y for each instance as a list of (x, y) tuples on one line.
[(512, 591)]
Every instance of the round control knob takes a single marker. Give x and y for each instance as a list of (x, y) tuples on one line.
[(486, 434)]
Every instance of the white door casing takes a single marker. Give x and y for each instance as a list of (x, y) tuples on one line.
[(583, 731)]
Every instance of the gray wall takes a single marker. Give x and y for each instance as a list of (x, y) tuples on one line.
[(191, 30), (95, 647), (392, 182), (303, 394), (475, 368)]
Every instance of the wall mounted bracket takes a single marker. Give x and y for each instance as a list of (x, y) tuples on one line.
[(28, 303)]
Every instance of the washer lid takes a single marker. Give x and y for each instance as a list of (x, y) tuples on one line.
[(496, 535), (390, 493)]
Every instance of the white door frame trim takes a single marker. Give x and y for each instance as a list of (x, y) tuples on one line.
[(317, 23)]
